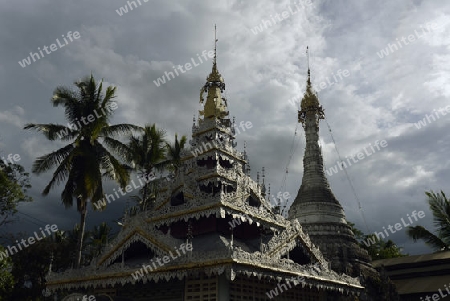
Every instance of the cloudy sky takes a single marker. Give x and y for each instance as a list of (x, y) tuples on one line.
[(261, 55)]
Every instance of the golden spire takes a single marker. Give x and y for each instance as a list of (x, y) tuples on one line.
[(310, 101), (215, 105)]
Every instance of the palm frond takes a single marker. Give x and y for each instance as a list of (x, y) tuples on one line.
[(67, 98), (419, 232), (119, 148), (99, 92), (53, 131), (440, 207), (67, 194), (114, 168), (173, 158), (44, 163), (63, 96), (60, 174), (119, 129), (98, 193), (109, 95)]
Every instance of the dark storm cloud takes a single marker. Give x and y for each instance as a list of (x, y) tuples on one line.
[(380, 99)]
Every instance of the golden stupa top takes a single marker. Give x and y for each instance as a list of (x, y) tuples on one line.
[(310, 99), (215, 76), (215, 105)]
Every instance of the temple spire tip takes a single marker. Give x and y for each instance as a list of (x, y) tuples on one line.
[(215, 75), (215, 43)]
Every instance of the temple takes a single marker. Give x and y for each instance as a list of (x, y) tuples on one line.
[(213, 235)]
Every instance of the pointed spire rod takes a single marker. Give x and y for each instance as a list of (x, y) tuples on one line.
[(307, 57), (215, 42), (215, 75)]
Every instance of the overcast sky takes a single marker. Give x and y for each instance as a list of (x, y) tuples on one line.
[(381, 97)]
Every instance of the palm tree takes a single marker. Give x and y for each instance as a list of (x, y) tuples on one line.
[(85, 160), (147, 154), (99, 237), (61, 245), (440, 208), (171, 161), (71, 238), (174, 153)]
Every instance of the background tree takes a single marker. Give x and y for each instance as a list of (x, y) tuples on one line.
[(147, 154), (440, 208), (377, 248), (30, 266), (98, 238), (70, 238), (62, 249), (84, 161), (6, 278), (14, 183), (173, 157)]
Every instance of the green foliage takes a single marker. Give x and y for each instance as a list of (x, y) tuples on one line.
[(377, 249), (174, 150), (359, 235), (31, 265), (6, 278), (147, 154), (381, 249), (440, 208), (14, 182), (97, 239)]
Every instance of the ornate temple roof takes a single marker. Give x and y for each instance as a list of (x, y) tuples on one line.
[(212, 203), (212, 255)]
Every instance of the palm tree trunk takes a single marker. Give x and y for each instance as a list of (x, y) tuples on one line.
[(144, 195), (81, 234)]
